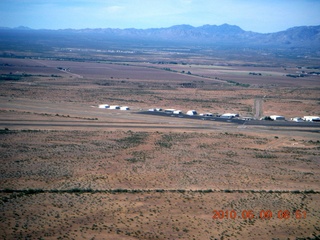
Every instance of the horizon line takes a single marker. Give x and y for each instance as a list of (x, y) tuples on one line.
[(21, 27)]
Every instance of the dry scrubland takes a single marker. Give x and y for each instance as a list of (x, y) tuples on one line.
[(148, 85), (153, 216), (153, 184), (170, 165), (143, 160)]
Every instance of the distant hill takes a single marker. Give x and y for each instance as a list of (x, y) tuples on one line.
[(213, 33), (305, 36), (297, 35)]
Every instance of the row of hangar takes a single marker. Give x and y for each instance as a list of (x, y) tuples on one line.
[(115, 107), (294, 119), (170, 111), (235, 115), (225, 115), (192, 113)]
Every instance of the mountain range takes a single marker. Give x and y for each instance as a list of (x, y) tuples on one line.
[(303, 36)]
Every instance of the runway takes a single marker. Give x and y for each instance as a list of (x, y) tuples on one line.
[(238, 120)]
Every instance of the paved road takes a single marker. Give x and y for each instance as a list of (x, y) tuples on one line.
[(94, 125), (73, 125)]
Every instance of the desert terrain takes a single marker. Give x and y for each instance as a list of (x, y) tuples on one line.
[(70, 170)]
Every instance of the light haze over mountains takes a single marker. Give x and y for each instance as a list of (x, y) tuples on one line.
[(304, 36), (250, 15)]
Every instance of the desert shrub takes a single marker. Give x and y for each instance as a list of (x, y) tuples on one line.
[(132, 160), (309, 191), (207, 191), (133, 140), (6, 131), (80, 190), (296, 191), (265, 155), (192, 162), (165, 141), (238, 84), (34, 191), (231, 153), (164, 144)]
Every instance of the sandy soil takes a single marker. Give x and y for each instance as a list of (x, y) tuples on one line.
[(104, 174)]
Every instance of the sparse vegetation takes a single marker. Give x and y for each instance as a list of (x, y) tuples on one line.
[(70, 170)]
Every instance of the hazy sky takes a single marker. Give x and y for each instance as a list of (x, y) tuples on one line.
[(253, 15)]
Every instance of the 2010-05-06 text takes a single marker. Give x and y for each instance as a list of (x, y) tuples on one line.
[(263, 214)]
